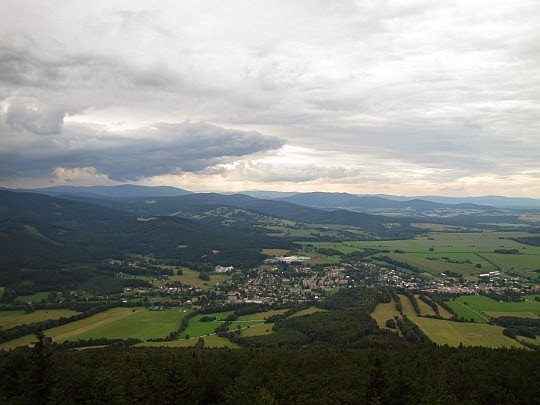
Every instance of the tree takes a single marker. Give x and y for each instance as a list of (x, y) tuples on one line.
[(200, 343)]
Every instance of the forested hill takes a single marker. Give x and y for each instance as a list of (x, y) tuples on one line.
[(39, 231), (197, 203)]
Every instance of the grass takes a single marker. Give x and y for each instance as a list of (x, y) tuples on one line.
[(383, 312), (469, 334), (142, 324), (10, 319), (485, 305), (425, 309), (258, 330), (37, 297), (453, 333), (209, 342), (457, 246), (464, 311), (262, 315), (307, 311), (197, 328), (66, 332), (274, 252), (191, 277)]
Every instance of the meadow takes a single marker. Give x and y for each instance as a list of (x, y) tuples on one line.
[(481, 308), (467, 253), (10, 319), (198, 328), (455, 333), (191, 277)]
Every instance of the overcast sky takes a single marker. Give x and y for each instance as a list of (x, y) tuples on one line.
[(396, 97)]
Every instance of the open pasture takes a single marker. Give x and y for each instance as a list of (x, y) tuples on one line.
[(68, 331), (261, 316), (469, 334), (258, 330), (307, 311), (489, 307), (197, 328), (37, 297), (436, 252), (191, 277), (383, 312), (10, 319), (142, 324)]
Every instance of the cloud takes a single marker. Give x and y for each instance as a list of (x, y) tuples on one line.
[(41, 121), (162, 148)]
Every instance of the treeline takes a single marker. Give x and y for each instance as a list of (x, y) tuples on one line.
[(121, 375)]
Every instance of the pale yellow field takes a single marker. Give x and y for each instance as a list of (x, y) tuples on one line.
[(258, 330), (274, 252), (261, 316), (453, 333), (191, 277), (307, 311), (425, 309), (470, 334), (444, 313), (383, 312)]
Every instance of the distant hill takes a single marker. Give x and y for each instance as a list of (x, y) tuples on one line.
[(494, 201), (375, 204), (120, 191)]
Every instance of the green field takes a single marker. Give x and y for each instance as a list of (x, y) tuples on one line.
[(482, 306), (37, 297), (66, 332), (197, 328), (191, 277), (209, 342), (9, 319), (142, 324), (425, 309), (460, 252)]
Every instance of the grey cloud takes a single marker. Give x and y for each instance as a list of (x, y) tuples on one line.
[(161, 149), (38, 121)]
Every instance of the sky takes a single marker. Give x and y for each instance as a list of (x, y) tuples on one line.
[(395, 97)]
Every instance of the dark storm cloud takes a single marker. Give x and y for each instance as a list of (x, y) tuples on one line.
[(157, 150)]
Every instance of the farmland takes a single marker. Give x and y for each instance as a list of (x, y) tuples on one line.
[(114, 323), (485, 307), (9, 319), (467, 253), (191, 277), (196, 327), (456, 333), (383, 312)]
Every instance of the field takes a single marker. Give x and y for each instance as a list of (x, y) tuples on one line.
[(209, 342), (437, 252), (142, 324), (37, 297), (191, 277), (453, 333), (469, 334), (307, 311), (481, 307), (258, 330), (66, 332), (383, 312), (425, 309), (197, 328), (10, 319), (262, 315), (274, 252)]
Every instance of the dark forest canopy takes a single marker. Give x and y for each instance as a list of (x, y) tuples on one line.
[(161, 376)]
